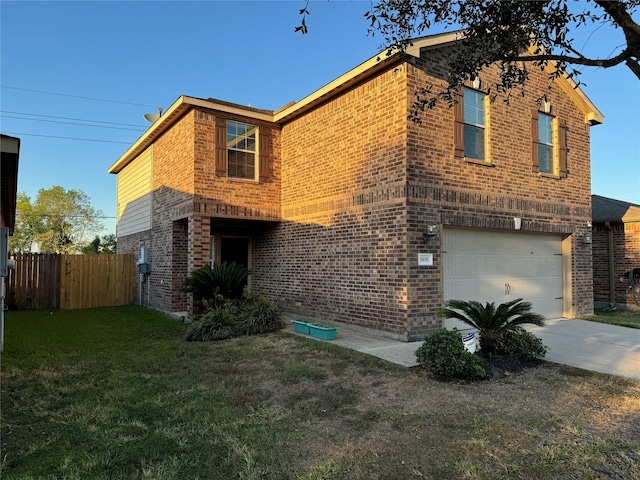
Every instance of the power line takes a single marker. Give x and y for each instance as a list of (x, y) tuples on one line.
[(70, 118), (67, 138), (59, 215), (139, 129), (77, 96)]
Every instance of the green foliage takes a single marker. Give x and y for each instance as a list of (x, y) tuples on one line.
[(520, 343), (443, 353), (252, 314), (489, 320), (216, 324), (502, 33), (215, 284), (106, 244), (258, 315), (58, 221)]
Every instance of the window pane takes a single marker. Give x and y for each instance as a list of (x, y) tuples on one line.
[(241, 164), (241, 149), (544, 128), (473, 142), (545, 155), (473, 107)]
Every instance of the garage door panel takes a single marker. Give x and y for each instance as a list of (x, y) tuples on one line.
[(497, 267)]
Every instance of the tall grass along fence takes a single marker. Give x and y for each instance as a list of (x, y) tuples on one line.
[(50, 281)]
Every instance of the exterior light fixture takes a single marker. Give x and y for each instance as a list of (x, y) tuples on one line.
[(517, 223), (587, 238), (430, 233)]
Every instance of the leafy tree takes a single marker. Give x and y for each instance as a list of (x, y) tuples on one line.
[(491, 321), (516, 35), (106, 244), (58, 221)]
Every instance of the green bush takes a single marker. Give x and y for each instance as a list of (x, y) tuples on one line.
[(258, 315), (522, 344), (250, 315), (490, 320), (215, 324), (443, 353)]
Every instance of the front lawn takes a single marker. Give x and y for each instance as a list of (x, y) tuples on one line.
[(118, 394), (624, 318)]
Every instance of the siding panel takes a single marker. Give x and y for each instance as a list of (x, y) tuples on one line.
[(134, 195)]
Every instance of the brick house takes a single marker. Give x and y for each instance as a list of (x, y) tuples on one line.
[(347, 211), (616, 249)]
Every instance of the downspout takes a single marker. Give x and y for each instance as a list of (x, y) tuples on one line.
[(612, 281)]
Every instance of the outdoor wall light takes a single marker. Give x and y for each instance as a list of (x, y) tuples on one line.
[(517, 223), (430, 233), (586, 238)]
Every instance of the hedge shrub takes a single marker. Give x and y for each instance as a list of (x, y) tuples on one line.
[(443, 353)]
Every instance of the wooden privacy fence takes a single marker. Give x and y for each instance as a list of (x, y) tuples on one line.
[(49, 281)]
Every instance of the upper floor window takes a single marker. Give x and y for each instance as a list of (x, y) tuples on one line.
[(470, 125), (241, 150), (549, 152), (546, 156)]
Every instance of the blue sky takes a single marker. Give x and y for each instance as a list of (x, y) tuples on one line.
[(139, 56)]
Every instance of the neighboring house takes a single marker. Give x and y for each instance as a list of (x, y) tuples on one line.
[(347, 211), (9, 155), (616, 249)]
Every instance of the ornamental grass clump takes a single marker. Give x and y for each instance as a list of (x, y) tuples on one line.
[(252, 314)]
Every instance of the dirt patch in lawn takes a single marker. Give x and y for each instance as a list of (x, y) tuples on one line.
[(354, 416)]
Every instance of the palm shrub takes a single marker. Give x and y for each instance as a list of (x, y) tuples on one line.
[(216, 284), (443, 353), (490, 320)]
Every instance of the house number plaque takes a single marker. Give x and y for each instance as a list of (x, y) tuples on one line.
[(425, 259)]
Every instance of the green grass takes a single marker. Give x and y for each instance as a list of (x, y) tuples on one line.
[(118, 394), (624, 318)]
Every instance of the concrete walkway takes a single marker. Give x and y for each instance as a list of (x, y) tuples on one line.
[(578, 343)]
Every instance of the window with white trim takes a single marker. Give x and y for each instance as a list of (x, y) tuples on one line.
[(242, 154)]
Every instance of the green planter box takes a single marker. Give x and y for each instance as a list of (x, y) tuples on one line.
[(323, 333), (300, 327)]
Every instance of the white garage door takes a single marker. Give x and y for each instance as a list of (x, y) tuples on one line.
[(491, 266)]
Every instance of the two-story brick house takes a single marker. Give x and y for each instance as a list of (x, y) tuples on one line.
[(348, 211)]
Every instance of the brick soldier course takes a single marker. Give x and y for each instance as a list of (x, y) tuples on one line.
[(346, 186)]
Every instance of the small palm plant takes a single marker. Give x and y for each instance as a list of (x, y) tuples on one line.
[(489, 320), (218, 283)]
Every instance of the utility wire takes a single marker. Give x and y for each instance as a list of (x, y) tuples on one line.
[(78, 96), (70, 118), (139, 129), (67, 138), (58, 215)]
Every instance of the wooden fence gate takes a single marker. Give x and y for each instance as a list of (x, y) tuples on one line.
[(50, 281)]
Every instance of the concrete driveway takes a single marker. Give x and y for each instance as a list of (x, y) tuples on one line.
[(593, 346), (578, 343)]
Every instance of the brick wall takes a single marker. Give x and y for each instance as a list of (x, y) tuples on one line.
[(133, 244), (444, 190), (341, 251), (626, 253)]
